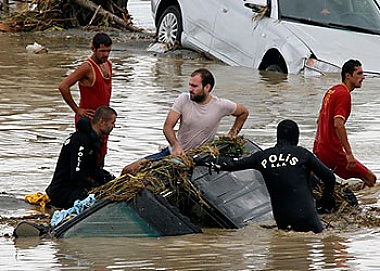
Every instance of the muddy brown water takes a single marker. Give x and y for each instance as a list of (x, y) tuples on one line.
[(34, 122)]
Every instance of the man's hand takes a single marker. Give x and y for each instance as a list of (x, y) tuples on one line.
[(326, 204), (177, 150), (85, 112), (209, 162), (231, 134), (351, 161), (134, 167)]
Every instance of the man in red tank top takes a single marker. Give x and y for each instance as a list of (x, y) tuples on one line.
[(94, 78), (331, 144)]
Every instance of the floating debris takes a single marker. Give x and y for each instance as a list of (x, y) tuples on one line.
[(348, 217), (36, 48), (41, 219)]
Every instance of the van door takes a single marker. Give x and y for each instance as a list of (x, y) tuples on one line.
[(198, 22), (233, 38)]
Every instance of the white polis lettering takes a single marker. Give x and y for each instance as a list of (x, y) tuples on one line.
[(80, 154), (280, 160)]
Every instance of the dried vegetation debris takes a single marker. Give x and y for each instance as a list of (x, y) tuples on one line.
[(40, 219), (171, 172), (42, 15), (347, 216)]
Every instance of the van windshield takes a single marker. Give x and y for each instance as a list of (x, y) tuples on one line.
[(358, 15)]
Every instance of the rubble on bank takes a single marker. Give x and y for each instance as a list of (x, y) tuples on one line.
[(50, 15)]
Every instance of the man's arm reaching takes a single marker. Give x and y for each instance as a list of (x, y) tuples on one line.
[(241, 114)]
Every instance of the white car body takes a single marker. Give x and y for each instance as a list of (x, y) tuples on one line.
[(257, 33)]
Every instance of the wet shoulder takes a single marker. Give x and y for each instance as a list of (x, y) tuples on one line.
[(183, 98), (81, 137)]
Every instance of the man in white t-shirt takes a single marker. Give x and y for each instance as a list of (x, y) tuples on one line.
[(199, 114)]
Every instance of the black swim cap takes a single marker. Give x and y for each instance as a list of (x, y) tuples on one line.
[(287, 131)]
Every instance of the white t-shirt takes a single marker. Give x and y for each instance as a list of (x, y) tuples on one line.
[(199, 123)]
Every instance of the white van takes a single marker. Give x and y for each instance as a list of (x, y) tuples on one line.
[(311, 37)]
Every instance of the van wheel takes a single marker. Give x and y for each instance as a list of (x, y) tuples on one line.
[(275, 68), (169, 28)]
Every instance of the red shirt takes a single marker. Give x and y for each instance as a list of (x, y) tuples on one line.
[(99, 93), (336, 104)]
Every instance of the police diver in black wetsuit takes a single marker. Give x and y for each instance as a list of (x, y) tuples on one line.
[(286, 169), (78, 168)]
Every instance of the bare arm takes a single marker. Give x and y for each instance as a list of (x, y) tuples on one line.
[(82, 74), (133, 167), (241, 114), (340, 130), (170, 122)]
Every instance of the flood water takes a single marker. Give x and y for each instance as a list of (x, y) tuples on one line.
[(34, 121)]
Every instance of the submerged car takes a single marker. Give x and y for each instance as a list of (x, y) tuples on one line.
[(310, 37), (223, 199)]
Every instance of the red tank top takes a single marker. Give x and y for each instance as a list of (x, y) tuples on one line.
[(99, 93)]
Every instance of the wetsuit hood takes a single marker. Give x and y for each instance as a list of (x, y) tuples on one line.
[(84, 125), (287, 132)]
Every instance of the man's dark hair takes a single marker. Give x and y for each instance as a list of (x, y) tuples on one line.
[(207, 77), (101, 38), (349, 67), (103, 112)]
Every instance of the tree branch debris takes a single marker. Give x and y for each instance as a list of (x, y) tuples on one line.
[(45, 15)]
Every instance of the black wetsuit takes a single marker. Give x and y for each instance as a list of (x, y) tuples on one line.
[(77, 169), (286, 169)]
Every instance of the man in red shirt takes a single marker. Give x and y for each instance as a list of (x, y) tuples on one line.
[(94, 81), (331, 144)]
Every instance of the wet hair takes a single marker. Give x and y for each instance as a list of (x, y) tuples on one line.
[(103, 112), (349, 67), (206, 75), (101, 38), (288, 131)]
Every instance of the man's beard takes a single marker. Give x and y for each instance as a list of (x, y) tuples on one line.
[(102, 60), (199, 98)]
